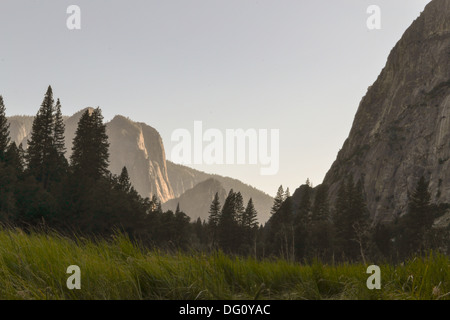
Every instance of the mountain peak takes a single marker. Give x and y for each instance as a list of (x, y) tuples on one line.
[(401, 130)]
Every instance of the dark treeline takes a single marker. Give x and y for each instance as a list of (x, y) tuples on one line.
[(312, 230), (40, 187)]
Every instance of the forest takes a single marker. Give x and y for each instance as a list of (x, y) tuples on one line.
[(40, 189)]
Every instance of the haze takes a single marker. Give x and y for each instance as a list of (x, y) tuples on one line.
[(298, 66)]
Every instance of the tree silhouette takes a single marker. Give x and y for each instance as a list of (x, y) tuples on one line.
[(90, 156), (4, 130)]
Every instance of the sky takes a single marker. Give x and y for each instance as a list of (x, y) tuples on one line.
[(301, 67)]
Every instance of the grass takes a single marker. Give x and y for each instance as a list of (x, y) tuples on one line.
[(33, 266)]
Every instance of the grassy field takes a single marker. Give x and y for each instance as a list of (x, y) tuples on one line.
[(33, 266)]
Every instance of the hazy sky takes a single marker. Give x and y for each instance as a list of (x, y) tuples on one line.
[(298, 66)]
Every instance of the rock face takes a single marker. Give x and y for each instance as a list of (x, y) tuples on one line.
[(140, 148), (20, 129), (401, 130)]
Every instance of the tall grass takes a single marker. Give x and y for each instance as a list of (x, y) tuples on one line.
[(33, 266)]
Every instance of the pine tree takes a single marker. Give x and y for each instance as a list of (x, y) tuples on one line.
[(418, 220), (350, 219), (41, 145), (278, 200), (58, 136), (214, 211), (57, 162), (250, 225), (90, 156), (321, 230), (214, 218), (14, 158), (4, 130), (101, 142), (359, 222), (250, 216), (228, 225), (124, 180), (281, 233), (250, 220), (419, 206), (239, 208)]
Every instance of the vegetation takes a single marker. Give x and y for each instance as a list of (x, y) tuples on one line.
[(228, 256), (33, 266)]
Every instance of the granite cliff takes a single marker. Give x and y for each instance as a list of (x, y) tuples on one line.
[(401, 130)]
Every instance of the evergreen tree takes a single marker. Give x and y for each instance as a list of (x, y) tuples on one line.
[(124, 180), (418, 220), (58, 164), (420, 214), (321, 231), (351, 220), (228, 225), (278, 200), (101, 142), (14, 158), (41, 145), (359, 221), (214, 218), (239, 208), (58, 136), (10, 171), (281, 232), (4, 130), (214, 211), (250, 227), (90, 156), (250, 220)]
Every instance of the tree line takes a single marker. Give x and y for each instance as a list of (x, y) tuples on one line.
[(39, 186), (312, 229)]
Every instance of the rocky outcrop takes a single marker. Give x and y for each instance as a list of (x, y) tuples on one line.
[(401, 130), (20, 129), (139, 147)]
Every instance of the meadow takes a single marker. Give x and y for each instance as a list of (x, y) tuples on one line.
[(33, 266)]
